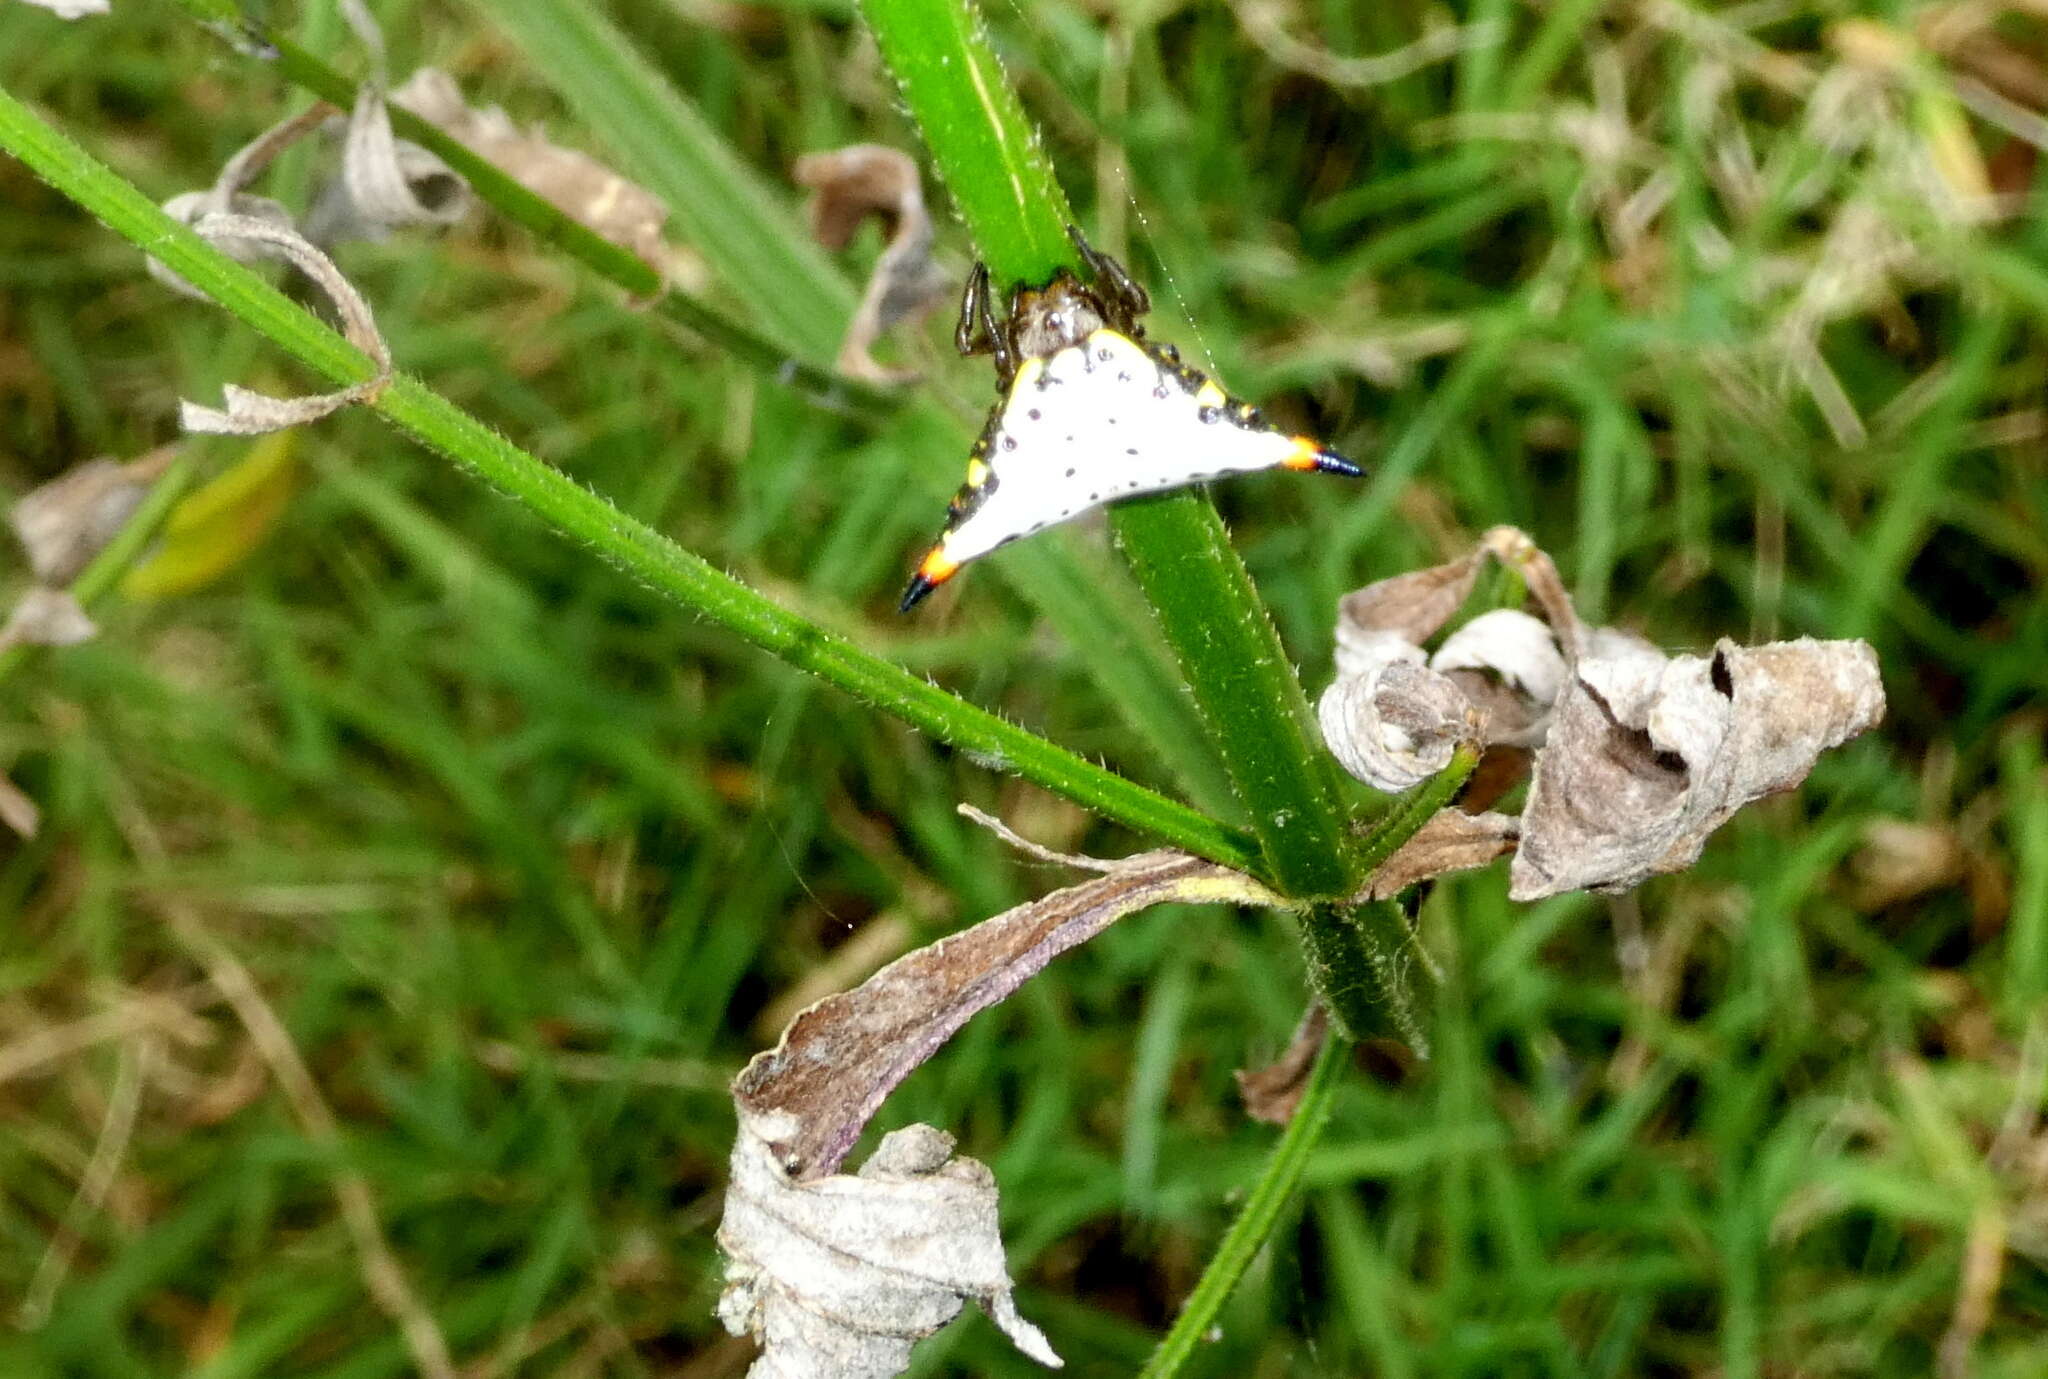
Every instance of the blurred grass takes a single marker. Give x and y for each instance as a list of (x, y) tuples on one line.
[(519, 855)]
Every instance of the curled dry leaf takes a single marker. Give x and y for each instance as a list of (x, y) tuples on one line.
[(1397, 724), (839, 1059), (47, 617), (64, 523), (584, 189), (1492, 681), (250, 414), (1451, 841), (1638, 756), (1648, 756), (840, 1276), (227, 197), (1509, 666), (848, 185), (1272, 1093), (1410, 606), (386, 183)]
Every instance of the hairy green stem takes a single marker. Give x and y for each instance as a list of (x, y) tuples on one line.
[(1243, 684), (580, 515), (1263, 1207), (1416, 808), (1225, 643), (1365, 952)]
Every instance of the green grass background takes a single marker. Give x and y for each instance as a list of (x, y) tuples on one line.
[(519, 853)]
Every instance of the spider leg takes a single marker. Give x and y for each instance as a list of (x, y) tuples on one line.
[(973, 305), (997, 334), (979, 332), (1128, 296)]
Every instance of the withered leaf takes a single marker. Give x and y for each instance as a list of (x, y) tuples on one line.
[(64, 523), (848, 185), (227, 197), (1272, 1093), (249, 413), (1509, 643), (840, 1276), (1390, 721), (840, 1058), (586, 190), (1451, 841), (1395, 725), (386, 183), (1412, 605), (1644, 760), (47, 617)]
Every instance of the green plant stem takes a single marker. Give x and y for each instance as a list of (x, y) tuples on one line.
[(1220, 634), (1415, 809), (552, 225), (986, 151), (580, 515), (1255, 1222), (1365, 952), (1243, 684), (104, 571)]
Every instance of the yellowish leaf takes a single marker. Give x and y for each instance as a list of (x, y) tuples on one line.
[(220, 524)]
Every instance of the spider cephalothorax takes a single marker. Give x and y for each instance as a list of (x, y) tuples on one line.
[(1089, 411)]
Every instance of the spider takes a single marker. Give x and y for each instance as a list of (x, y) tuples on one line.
[(1089, 410)]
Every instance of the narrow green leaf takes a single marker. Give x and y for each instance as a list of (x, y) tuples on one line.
[(986, 150)]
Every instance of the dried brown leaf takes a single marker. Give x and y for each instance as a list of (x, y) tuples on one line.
[(1412, 606), (839, 1275), (842, 1275), (1506, 642), (586, 190), (1493, 680), (47, 617), (848, 185), (1509, 666), (226, 195), (1451, 841), (1396, 724), (1272, 1093), (386, 183), (1645, 759), (839, 1059), (249, 413), (64, 523)]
